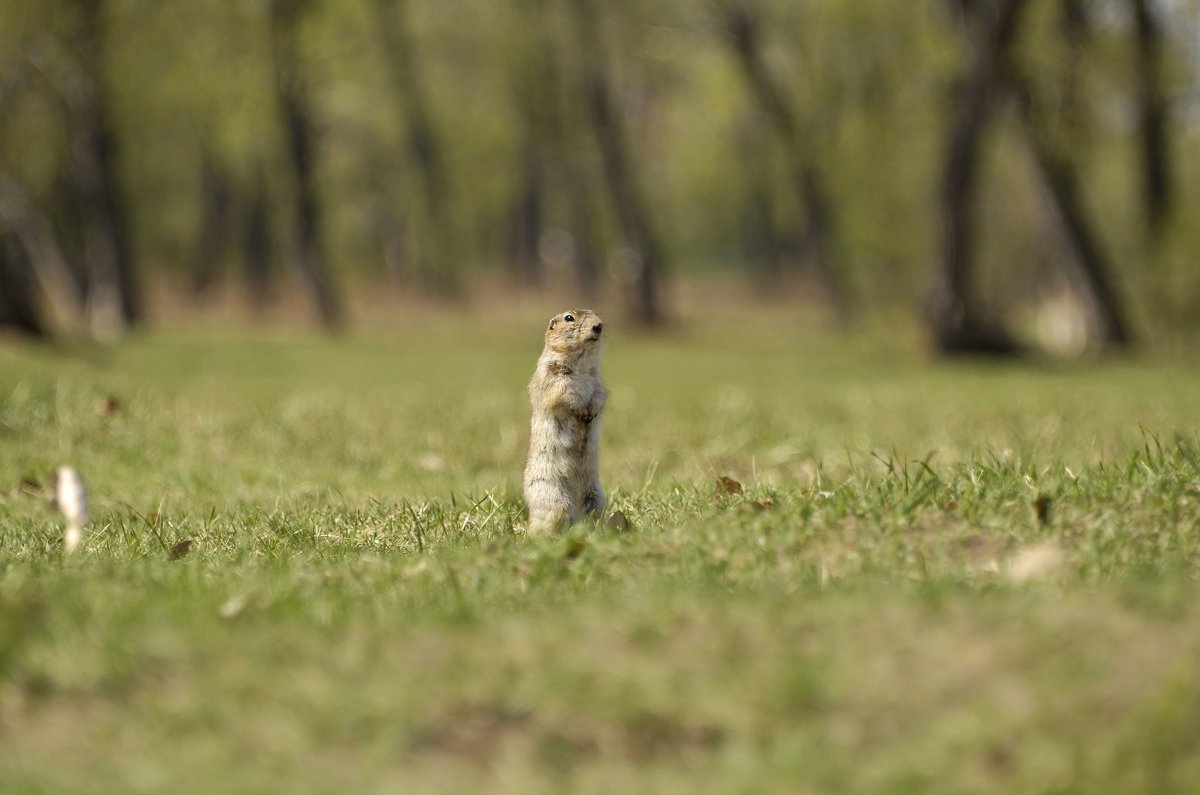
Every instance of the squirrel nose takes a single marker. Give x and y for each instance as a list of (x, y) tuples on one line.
[(598, 327)]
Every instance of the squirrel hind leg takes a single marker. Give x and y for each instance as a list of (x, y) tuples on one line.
[(594, 502), (545, 521)]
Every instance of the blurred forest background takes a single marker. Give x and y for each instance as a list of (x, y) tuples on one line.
[(989, 166)]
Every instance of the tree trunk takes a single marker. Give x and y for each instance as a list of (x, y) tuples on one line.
[(212, 230), (256, 243), (761, 240), (35, 259), (1152, 107), (1062, 182), (958, 325), (440, 257), (528, 216), (103, 201), (534, 97), (296, 119), (18, 302), (620, 174), (745, 38)]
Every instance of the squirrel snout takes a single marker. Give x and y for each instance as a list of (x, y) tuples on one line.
[(598, 327)]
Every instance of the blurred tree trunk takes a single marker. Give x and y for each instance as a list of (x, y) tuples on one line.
[(440, 257), (256, 240), (620, 173), (761, 238), (114, 295), (570, 171), (958, 324), (66, 224), (528, 216), (1058, 171), (18, 302), (745, 38), (535, 94), (583, 234), (1152, 107), (212, 231), (38, 285), (296, 119)]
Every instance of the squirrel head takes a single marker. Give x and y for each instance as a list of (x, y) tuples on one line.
[(575, 331)]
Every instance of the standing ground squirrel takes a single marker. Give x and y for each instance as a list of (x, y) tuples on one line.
[(562, 475)]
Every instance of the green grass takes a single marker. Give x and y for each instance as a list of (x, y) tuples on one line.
[(360, 612)]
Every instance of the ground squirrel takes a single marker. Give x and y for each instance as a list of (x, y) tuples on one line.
[(562, 475)]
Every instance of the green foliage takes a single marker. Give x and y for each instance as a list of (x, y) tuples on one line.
[(359, 609)]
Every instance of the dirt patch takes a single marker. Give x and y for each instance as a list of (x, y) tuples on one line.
[(481, 733)]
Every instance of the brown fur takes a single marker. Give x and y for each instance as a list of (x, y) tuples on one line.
[(567, 397)]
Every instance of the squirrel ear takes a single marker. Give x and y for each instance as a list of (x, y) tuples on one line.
[(553, 320)]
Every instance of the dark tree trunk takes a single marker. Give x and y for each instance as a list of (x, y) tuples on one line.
[(1075, 30), (582, 219), (38, 275), (212, 230), (1062, 182), (745, 38), (256, 240), (534, 92), (759, 233), (440, 258), (620, 174), (958, 326), (553, 113), (528, 216), (102, 198), (66, 220), (1152, 106), (18, 299), (296, 119)]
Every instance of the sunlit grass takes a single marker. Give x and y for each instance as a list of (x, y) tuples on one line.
[(360, 611)]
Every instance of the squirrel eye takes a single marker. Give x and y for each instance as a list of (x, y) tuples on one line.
[(569, 318)]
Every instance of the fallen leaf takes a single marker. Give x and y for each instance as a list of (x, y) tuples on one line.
[(180, 549), (618, 522), (727, 485), (1041, 506), (29, 486), (107, 406)]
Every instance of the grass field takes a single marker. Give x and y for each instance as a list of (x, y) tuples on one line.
[(940, 577)]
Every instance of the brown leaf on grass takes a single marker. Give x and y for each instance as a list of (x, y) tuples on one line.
[(107, 406), (618, 522), (180, 549), (756, 506), (1041, 507), (30, 487), (727, 485)]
